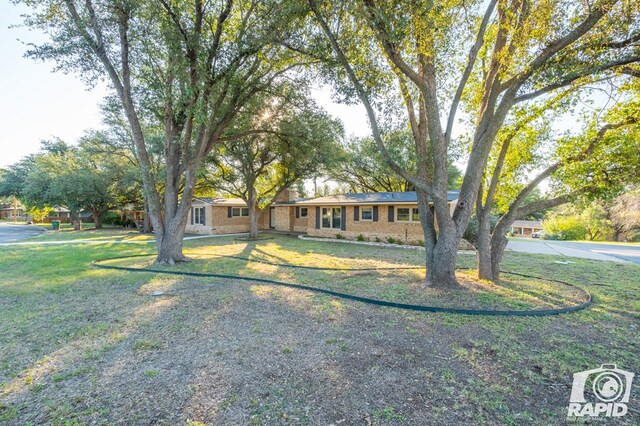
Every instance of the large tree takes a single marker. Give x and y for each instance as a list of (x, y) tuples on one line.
[(188, 66), (279, 139), (488, 56)]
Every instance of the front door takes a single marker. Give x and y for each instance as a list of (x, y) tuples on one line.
[(272, 217)]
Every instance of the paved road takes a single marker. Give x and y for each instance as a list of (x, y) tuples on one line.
[(11, 233), (597, 251)]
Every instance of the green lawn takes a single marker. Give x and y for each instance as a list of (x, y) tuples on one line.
[(88, 346), (92, 234)]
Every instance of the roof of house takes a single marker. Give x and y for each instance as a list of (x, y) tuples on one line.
[(368, 198), (229, 202), (527, 224), (360, 198)]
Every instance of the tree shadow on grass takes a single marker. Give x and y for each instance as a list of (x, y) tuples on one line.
[(220, 352)]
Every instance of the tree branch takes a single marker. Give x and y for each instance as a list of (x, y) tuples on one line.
[(473, 54)]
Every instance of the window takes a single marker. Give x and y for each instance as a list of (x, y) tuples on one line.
[(366, 213), (415, 215), (407, 214), (198, 215), (240, 211), (304, 212), (332, 217), (326, 218), (402, 214)]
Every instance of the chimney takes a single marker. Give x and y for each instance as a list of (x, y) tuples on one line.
[(287, 195)]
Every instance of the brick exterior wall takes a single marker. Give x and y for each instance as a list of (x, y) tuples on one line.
[(410, 232), (301, 224), (285, 217), (217, 221)]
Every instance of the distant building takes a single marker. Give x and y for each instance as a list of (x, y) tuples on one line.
[(9, 210), (524, 228)]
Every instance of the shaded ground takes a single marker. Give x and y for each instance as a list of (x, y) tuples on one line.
[(94, 347)]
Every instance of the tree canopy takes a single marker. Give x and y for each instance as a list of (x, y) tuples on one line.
[(278, 140)]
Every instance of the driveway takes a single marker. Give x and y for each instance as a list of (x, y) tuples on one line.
[(597, 251), (10, 233)]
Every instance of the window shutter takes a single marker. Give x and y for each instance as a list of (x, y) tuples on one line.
[(297, 212), (228, 211), (343, 218), (204, 216), (390, 213), (317, 217), (192, 214), (356, 213), (375, 213)]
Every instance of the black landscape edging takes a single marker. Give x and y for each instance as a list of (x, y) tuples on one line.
[(377, 302)]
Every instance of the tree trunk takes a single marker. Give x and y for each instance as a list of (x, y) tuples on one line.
[(441, 250), (252, 202), (253, 221), (169, 243), (485, 269), (498, 244), (146, 220), (441, 265), (97, 219)]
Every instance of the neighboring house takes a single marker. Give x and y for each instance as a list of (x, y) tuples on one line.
[(379, 215), (524, 228), (59, 213), (8, 211)]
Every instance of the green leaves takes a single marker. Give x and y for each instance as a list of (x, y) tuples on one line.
[(278, 139)]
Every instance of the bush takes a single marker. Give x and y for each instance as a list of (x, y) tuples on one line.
[(111, 218), (378, 240), (339, 237), (391, 240), (634, 236), (564, 228), (360, 238), (471, 233)]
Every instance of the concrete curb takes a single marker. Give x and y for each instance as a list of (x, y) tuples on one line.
[(375, 244)]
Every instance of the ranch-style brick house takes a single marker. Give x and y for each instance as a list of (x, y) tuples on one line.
[(379, 215)]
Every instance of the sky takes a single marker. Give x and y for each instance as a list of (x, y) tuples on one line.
[(37, 104)]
